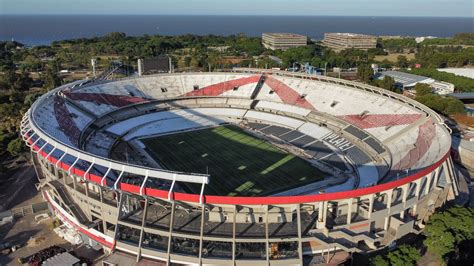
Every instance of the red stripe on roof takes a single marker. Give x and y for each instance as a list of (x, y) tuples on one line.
[(209, 199), (287, 94), (220, 88)]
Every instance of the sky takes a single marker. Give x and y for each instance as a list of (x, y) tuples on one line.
[(434, 8)]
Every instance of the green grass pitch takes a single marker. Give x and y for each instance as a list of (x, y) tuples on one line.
[(239, 163)]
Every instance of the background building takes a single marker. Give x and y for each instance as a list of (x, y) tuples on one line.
[(342, 41), (283, 41), (407, 81)]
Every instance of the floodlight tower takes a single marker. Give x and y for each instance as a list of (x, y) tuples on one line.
[(93, 63)]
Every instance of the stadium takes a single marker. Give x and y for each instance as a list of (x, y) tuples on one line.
[(245, 167)]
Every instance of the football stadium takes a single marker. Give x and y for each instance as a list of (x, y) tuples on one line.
[(248, 167)]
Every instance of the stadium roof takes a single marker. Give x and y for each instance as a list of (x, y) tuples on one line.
[(468, 145), (348, 34), (463, 95), (405, 79), (284, 34)]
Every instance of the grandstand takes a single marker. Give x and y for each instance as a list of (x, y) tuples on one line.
[(250, 166)]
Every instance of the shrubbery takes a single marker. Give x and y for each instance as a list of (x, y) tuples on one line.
[(460, 83)]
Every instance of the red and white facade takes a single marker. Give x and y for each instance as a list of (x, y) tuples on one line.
[(405, 175)]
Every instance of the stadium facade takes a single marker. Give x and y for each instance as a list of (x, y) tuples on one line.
[(386, 158)]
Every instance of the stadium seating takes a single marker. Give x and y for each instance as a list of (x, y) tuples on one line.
[(123, 87), (65, 120), (66, 114), (242, 87), (382, 117), (45, 118), (99, 143), (122, 127), (284, 121), (183, 122), (287, 94), (161, 86), (384, 120), (282, 107), (423, 142)]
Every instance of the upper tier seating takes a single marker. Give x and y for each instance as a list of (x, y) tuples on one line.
[(421, 144), (183, 121), (126, 87), (380, 116), (45, 118), (67, 120), (99, 143), (61, 120), (232, 86)]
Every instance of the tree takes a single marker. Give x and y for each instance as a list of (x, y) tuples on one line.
[(115, 36), (364, 73), (15, 147), (446, 229), (402, 61), (454, 106), (378, 261), (445, 105), (194, 62), (460, 83), (398, 45), (5, 138), (51, 79), (404, 255), (422, 89), (387, 83)]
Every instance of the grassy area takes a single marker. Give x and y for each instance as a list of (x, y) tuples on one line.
[(393, 57), (239, 163), (462, 84)]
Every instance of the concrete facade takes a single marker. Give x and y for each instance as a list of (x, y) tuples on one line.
[(283, 41), (342, 41), (151, 222), (275, 234)]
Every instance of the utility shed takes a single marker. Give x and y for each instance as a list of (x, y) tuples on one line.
[(405, 80)]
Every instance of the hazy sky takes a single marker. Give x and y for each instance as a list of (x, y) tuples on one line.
[(450, 8)]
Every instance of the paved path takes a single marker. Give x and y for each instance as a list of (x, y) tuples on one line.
[(31, 236)]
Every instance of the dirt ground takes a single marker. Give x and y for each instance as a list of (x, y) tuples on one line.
[(464, 120), (21, 188)]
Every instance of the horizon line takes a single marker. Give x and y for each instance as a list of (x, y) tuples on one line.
[(228, 15)]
